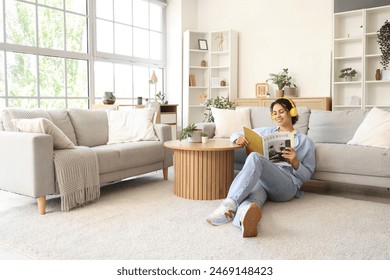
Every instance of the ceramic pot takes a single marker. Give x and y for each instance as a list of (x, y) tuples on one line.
[(204, 139), (386, 75), (195, 136), (348, 79), (108, 98), (290, 91), (279, 93)]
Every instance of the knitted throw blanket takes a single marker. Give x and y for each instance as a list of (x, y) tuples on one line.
[(77, 176)]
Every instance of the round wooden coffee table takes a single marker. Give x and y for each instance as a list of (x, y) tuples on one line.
[(203, 171)]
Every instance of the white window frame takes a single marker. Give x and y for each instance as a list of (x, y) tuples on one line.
[(90, 56)]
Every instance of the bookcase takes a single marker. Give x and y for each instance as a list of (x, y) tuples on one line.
[(355, 45), (209, 71)]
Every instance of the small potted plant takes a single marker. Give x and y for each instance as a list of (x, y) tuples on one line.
[(347, 74), (281, 80), (204, 136), (191, 133), (219, 102), (384, 46)]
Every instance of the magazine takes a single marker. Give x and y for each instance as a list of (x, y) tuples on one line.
[(270, 146)]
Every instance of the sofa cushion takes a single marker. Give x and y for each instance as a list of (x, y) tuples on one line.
[(302, 124), (352, 159), (127, 155), (9, 114), (41, 125), (90, 126), (62, 121), (260, 117), (334, 126), (229, 121), (374, 130), (130, 125)]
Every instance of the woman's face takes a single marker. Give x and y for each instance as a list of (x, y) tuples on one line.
[(281, 115)]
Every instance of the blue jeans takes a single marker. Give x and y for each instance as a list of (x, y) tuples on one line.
[(259, 180)]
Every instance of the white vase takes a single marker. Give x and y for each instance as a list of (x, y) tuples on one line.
[(204, 139), (195, 136), (386, 75)]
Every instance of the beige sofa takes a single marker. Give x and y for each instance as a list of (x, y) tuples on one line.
[(26, 159), (336, 161)]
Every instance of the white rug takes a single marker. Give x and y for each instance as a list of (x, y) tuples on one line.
[(143, 219)]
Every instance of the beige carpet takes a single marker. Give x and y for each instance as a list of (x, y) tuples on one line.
[(143, 219)]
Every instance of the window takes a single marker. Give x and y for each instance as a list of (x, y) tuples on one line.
[(129, 47), (48, 60)]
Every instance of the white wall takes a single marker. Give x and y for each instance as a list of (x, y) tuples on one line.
[(181, 16), (294, 34)]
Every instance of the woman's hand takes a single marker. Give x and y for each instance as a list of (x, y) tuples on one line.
[(291, 157), (242, 141)]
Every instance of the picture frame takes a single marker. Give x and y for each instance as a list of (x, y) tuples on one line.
[(261, 90), (202, 44)]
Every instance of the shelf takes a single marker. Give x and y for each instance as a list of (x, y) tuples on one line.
[(348, 58), (348, 39), (378, 82), (198, 51), (373, 55), (199, 67), (347, 83), (355, 45), (220, 52), (372, 34), (221, 58)]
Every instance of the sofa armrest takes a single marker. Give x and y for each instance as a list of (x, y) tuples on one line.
[(26, 163), (164, 134), (207, 127)]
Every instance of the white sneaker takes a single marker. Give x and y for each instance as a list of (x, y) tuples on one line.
[(224, 213), (249, 219)]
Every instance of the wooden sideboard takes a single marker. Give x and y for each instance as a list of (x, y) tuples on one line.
[(313, 103)]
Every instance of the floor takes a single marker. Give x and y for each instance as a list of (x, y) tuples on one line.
[(381, 195)]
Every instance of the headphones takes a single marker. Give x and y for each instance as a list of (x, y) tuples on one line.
[(293, 110)]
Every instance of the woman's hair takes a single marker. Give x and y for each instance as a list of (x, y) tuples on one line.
[(288, 105)]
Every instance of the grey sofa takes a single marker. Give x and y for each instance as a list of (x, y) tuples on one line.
[(26, 159), (336, 161)]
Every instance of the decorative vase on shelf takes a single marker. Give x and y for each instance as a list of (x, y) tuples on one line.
[(108, 98), (386, 75), (378, 75)]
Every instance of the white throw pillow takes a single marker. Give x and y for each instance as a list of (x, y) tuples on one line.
[(42, 125), (374, 130), (130, 125), (229, 121)]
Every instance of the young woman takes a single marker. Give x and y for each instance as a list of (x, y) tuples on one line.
[(260, 179)]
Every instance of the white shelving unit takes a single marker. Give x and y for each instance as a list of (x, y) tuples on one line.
[(221, 65), (355, 45)]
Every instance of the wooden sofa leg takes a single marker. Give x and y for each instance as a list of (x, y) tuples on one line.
[(41, 205), (165, 173)]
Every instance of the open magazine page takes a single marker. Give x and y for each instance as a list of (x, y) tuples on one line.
[(274, 144), (271, 146)]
